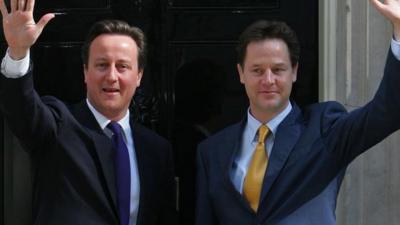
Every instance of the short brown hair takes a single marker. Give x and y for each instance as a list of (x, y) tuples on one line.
[(262, 30), (116, 27)]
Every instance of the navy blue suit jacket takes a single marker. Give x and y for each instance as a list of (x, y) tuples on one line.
[(73, 163), (311, 148), (319, 210)]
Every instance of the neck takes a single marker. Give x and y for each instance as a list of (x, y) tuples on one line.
[(114, 116), (107, 114), (264, 116)]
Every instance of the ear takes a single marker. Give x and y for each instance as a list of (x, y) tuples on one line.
[(295, 67), (85, 71), (240, 71), (139, 78)]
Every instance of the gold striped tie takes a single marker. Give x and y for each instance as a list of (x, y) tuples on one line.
[(255, 174)]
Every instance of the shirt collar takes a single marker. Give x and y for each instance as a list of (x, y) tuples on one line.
[(253, 124), (103, 121)]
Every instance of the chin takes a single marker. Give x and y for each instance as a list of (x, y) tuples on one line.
[(273, 107), (272, 103)]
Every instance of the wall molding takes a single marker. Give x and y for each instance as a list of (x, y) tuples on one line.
[(327, 49)]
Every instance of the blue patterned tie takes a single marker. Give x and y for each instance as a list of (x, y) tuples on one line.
[(122, 173)]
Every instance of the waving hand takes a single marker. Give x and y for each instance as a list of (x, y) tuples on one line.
[(391, 10), (20, 29)]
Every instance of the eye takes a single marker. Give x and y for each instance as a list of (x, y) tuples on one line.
[(123, 67), (101, 66), (278, 70), (257, 71)]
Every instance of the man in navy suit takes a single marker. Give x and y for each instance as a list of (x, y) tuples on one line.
[(93, 164), (282, 165)]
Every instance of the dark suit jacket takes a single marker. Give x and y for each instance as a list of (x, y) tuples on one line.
[(310, 149), (73, 172)]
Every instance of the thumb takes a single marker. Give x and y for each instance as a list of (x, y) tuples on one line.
[(44, 20), (378, 5)]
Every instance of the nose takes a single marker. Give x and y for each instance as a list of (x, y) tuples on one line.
[(268, 77), (111, 75)]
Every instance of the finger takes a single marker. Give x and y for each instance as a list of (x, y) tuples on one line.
[(44, 20), (376, 2), (14, 5), (378, 5), (30, 5), (21, 5), (3, 8)]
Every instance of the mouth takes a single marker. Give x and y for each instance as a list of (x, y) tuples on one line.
[(110, 90), (268, 92)]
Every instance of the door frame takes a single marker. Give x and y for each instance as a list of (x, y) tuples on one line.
[(327, 49)]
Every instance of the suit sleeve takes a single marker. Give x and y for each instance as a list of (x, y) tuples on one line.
[(29, 118), (353, 133), (204, 208)]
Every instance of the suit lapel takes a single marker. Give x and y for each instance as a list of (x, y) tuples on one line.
[(140, 160), (286, 137), (231, 146), (103, 148), (146, 164)]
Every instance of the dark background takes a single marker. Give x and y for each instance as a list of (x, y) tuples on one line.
[(190, 80)]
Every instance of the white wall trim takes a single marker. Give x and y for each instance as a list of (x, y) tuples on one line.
[(327, 49)]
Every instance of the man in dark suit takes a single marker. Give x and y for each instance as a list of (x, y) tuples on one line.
[(93, 164), (281, 165)]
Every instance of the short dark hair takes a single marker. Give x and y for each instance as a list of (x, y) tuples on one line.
[(116, 27), (262, 30)]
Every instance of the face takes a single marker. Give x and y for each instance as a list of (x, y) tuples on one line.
[(267, 75), (112, 74)]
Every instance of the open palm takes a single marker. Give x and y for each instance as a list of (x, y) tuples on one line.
[(20, 29), (391, 10)]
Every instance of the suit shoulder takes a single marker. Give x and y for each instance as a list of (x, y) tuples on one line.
[(323, 115), (149, 136), (324, 110), (231, 132), (57, 107), (328, 106)]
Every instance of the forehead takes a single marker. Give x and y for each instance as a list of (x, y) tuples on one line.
[(267, 51), (113, 44)]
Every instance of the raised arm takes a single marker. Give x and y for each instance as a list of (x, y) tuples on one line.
[(29, 118), (391, 10), (20, 29)]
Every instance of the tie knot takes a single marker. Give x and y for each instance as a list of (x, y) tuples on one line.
[(262, 133), (115, 127)]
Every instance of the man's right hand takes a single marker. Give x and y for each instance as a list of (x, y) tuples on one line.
[(20, 29)]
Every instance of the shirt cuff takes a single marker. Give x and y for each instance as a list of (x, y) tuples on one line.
[(11, 68), (395, 46)]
